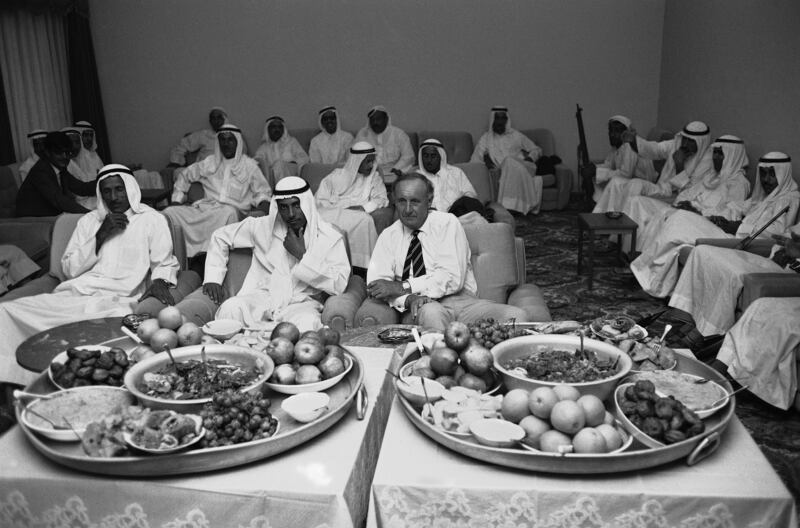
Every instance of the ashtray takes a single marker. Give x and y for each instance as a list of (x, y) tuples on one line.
[(614, 214)]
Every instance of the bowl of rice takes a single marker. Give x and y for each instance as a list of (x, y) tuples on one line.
[(529, 362)]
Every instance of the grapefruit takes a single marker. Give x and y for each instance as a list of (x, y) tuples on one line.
[(163, 338), (567, 392), (515, 405), (589, 440), (541, 402), (147, 328), (170, 317), (593, 409), (567, 417)]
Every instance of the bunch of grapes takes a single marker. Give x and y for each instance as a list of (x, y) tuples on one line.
[(234, 417), (489, 332)]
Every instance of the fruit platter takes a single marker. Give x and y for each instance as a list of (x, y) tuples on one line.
[(170, 424), (564, 425)]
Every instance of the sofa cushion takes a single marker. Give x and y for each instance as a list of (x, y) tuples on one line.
[(304, 136), (493, 259), (478, 176), (548, 180), (543, 137), (36, 248), (457, 145)]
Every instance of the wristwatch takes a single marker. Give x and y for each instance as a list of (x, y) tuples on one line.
[(406, 286)]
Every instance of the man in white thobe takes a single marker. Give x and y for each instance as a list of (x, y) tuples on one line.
[(514, 155), (108, 260), (232, 183), (280, 154), (298, 260), (36, 137), (761, 349), (421, 265), (392, 145), (331, 145), (449, 182), (74, 168), (88, 159), (348, 197), (203, 142), (678, 227), (622, 162), (711, 282)]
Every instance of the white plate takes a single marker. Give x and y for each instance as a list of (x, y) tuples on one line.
[(604, 335), (200, 432), (62, 359), (313, 387)]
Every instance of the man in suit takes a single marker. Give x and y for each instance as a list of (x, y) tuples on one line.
[(50, 189)]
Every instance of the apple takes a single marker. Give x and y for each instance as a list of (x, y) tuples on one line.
[(471, 381), (189, 334), (308, 352), (164, 338), (308, 374), (287, 330), (444, 361), (208, 340), (170, 317), (457, 336), (331, 366), (284, 374), (312, 335), (477, 359), (334, 351), (328, 335), (281, 350), (141, 352), (147, 328)]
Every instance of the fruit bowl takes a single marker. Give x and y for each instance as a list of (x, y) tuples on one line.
[(313, 387), (406, 372), (521, 347), (245, 358), (222, 329)]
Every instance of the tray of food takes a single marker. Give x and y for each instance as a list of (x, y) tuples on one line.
[(568, 423), (229, 427)]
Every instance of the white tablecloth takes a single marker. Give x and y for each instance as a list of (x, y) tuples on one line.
[(420, 483), (323, 483)]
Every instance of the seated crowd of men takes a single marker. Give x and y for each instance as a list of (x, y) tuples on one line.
[(416, 255)]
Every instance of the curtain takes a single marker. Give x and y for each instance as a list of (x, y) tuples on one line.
[(87, 103), (33, 61), (7, 154)]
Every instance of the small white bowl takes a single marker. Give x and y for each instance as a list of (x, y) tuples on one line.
[(222, 329), (306, 406), (412, 390), (200, 432), (494, 432)]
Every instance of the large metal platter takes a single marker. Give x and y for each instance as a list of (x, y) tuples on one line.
[(290, 435), (635, 458)]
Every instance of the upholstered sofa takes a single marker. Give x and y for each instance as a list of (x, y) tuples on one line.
[(558, 186), (63, 227), (498, 261)]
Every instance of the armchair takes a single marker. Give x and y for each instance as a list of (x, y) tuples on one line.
[(498, 261), (556, 187)]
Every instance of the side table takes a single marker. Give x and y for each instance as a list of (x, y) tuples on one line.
[(600, 224)]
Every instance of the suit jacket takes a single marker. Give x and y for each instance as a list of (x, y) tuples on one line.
[(41, 194)]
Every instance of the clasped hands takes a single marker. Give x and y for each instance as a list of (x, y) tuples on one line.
[(113, 224), (386, 290)]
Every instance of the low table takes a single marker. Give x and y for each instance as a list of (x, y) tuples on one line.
[(151, 197), (600, 224)]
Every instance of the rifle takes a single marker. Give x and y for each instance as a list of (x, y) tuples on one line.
[(583, 156), (747, 240)]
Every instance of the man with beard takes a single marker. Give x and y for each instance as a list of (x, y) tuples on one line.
[(203, 142), (280, 154), (392, 145), (331, 144), (449, 182)]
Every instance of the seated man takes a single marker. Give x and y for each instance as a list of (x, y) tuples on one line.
[(392, 145), (279, 154), (349, 196), (36, 138), (50, 187), (622, 162), (332, 143), (761, 349), (107, 262), (15, 266), (232, 183), (298, 260), (88, 159), (514, 155), (421, 264), (203, 142), (449, 182)]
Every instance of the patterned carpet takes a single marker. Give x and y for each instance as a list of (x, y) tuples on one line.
[(551, 241)]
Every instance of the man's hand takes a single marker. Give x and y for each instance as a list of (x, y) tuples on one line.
[(487, 160), (396, 172), (159, 289), (113, 224), (294, 243), (356, 208), (526, 155), (385, 290), (264, 206), (414, 302), (176, 203), (214, 291)]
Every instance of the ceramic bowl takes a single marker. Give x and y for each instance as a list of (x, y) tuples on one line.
[(494, 432), (222, 329), (313, 387), (411, 389), (200, 432), (519, 347), (406, 371), (614, 214), (306, 406), (243, 357)]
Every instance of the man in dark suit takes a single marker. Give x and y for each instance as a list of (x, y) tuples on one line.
[(50, 189)]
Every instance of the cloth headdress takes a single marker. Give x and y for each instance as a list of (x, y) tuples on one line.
[(763, 210), (38, 133), (499, 110), (236, 163), (85, 125), (325, 110), (131, 188), (439, 147), (621, 119), (220, 109), (735, 160), (701, 135), (342, 180), (379, 108), (265, 136)]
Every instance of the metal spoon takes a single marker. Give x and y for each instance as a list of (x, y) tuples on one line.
[(18, 394), (706, 380), (48, 420), (740, 389)]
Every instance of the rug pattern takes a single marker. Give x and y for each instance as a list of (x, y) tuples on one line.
[(551, 241)]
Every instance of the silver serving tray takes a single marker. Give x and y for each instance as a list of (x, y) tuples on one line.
[(290, 435), (636, 457)]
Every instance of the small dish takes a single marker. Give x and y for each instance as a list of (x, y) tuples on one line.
[(494, 432), (306, 406), (62, 358), (613, 215), (200, 432), (313, 387), (683, 386), (222, 329), (411, 389), (395, 334)]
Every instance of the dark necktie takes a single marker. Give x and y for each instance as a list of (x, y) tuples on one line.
[(414, 258), (62, 177)]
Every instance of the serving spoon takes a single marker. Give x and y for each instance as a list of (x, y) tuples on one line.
[(18, 394), (48, 420)]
